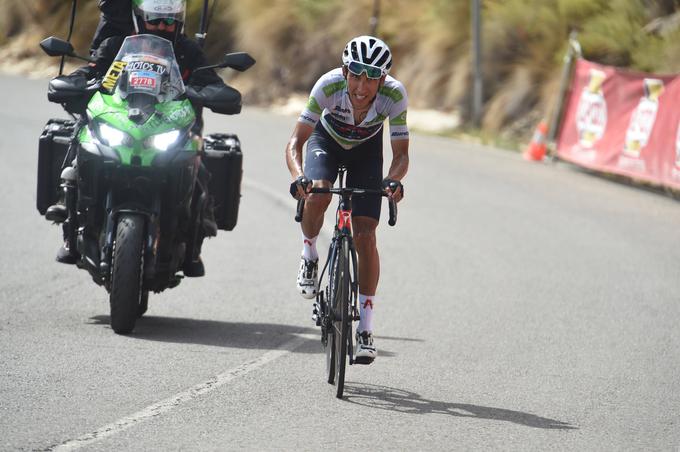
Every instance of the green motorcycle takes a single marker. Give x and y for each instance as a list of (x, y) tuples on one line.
[(144, 187)]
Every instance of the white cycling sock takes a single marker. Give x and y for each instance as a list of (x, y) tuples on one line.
[(366, 304), (309, 251)]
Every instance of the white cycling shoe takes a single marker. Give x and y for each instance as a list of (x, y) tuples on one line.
[(365, 351), (307, 282)]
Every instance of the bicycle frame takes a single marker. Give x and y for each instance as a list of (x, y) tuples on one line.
[(343, 231)]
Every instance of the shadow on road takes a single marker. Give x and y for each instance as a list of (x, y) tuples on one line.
[(261, 336), (213, 333), (392, 399)]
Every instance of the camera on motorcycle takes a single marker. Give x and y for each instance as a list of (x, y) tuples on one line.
[(239, 61), (58, 47)]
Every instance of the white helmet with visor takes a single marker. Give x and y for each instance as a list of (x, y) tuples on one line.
[(367, 54)]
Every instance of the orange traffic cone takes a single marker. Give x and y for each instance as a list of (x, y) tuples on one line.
[(536, 149)]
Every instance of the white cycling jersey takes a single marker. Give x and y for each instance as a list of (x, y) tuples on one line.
[(330, 102)]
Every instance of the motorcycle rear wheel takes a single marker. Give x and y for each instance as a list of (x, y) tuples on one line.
[(126, 277)]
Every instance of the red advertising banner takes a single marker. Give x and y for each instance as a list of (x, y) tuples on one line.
[(623, 122)]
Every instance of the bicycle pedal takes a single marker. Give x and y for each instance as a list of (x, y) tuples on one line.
[(316, 319), (315, 315), (363, 360)]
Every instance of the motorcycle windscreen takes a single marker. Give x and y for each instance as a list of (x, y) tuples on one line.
[(145, 64)]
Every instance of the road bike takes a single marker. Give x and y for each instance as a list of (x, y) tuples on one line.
[(336, 306)]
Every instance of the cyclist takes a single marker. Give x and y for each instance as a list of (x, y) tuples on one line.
[(342, 124), (163, 18)]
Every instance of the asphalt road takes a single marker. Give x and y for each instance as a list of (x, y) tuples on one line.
[(521, 307)]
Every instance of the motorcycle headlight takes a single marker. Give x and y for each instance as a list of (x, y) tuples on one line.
[(111, 136), (163, 141)]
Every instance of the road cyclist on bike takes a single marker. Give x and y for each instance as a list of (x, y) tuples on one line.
[(342, 124)]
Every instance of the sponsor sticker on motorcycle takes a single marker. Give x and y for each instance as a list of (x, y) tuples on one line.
[(147, 66), (111, 77), (144, 81)]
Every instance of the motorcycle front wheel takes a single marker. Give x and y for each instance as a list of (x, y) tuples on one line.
[(126, 275)]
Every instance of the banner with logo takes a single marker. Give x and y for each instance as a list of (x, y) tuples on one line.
[(623, 122)]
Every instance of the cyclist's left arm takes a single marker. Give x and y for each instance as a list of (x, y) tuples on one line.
[(399, 136), (399, 166)]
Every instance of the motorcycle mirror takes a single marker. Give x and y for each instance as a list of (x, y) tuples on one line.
[(239, 61), (58, 47)]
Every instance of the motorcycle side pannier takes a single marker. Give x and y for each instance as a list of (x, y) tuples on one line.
[(224, 160), (52, 148)]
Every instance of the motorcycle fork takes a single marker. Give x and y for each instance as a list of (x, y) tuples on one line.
[(151, 241), (71, 223)]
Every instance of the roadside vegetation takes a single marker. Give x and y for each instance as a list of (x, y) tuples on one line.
[(295, 41)]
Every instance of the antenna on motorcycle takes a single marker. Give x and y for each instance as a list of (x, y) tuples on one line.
[(70, 33), (205, 22)]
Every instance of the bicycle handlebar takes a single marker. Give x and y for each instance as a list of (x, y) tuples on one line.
[(353, 191)]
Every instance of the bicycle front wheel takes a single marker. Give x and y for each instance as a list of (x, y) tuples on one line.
[(342, 317)]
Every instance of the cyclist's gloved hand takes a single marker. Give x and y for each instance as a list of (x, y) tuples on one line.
[(299, 187), (393, 188)]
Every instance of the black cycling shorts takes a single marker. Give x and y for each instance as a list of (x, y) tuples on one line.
[(364, 165)]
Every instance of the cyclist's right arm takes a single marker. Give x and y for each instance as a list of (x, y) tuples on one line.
[(304, 128), (300, 135)]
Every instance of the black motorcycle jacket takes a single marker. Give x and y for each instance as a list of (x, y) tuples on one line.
[(117, 12), (115, 20)]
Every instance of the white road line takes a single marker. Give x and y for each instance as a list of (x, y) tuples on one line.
[(194, 392), (186, 396)]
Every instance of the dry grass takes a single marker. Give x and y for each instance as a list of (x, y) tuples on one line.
[(295, 41)]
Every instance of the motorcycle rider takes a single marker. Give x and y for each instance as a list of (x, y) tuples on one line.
[(342, 124), (163, 18), (115, 20)]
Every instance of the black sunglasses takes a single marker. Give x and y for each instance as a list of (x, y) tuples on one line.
[(167, 21)]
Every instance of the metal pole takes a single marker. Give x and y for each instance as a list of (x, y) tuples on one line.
[(477, 90), (573, 52), (70, 33), (374, 18)]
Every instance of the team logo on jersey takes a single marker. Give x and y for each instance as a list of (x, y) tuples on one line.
[(591, 114), (643, 118)]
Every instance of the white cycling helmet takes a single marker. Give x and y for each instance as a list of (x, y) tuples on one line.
[(369, 52)]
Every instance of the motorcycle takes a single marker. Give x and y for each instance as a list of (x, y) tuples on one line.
[(136, 193)]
